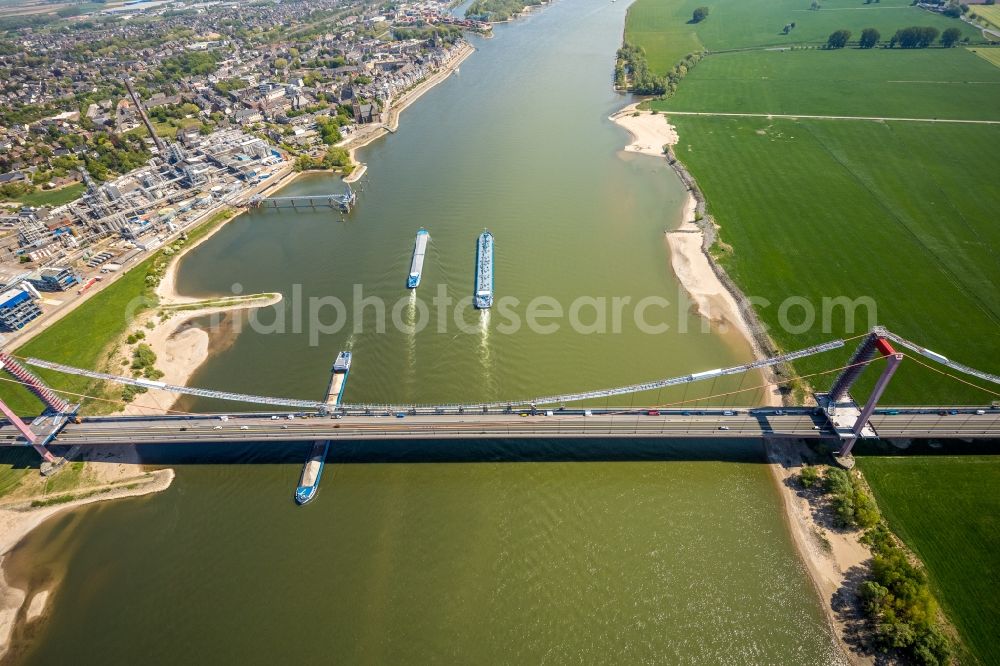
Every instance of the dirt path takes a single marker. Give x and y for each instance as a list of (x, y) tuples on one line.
[(799, 116)]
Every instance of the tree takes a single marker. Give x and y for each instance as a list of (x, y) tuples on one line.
[(699, 15), (915, 37), (950, 36), (869, 38), (838, 39)]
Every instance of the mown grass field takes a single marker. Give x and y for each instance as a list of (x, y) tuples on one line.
[(947, 510), (817, 208), (990, 13), (661, 26), (901, 212), (925, 83), (990, 55)]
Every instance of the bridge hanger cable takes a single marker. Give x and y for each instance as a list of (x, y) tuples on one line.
[(571, 397), (686, 401), (951, 376), (84, 396), (768, 384)]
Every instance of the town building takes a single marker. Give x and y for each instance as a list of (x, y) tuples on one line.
[(18, 306)]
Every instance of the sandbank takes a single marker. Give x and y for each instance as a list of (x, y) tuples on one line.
[(18, 518)]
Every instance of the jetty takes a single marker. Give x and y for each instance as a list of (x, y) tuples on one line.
[(344, 202)]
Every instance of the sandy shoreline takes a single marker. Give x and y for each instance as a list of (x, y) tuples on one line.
[(827, 565), (17, 519), (652, 134)]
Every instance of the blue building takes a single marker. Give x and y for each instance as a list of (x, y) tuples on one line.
[(57, 278), (17, 307)]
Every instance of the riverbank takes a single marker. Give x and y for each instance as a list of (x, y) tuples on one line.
[(18, 518), (372, 132), (180, 346), (689, 244), (831, 557), (651, 132)]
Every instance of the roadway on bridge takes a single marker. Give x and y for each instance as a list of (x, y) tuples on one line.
[(800, 424)]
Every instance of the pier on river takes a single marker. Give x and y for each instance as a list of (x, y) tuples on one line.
[(344, 202)]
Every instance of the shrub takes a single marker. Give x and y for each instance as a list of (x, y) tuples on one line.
[(851, 503), (809, 476), (143, 357)]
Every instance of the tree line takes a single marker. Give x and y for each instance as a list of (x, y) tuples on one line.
[(914, 37), (896, 596), (632, 72)]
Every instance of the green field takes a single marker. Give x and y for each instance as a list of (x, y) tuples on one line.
[(925, 83), (990, 55), (820, 208), (844, 208), (947, 510), (661, 26), (54, 197)]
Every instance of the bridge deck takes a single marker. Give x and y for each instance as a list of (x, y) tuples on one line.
[(798, 423)]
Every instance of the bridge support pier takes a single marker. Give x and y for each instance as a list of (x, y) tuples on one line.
[(33, 383), (892, 363), (859, 360), (26, 431)]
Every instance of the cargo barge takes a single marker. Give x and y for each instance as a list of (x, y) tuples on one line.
[(338, 379), (483, 297), (417, 264), (312, 471)]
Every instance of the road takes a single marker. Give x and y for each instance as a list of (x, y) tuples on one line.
[(743, 423)]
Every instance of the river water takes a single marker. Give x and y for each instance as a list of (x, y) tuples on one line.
[(473, 552)]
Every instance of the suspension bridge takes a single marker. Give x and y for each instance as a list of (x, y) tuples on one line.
[(837, 417)]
